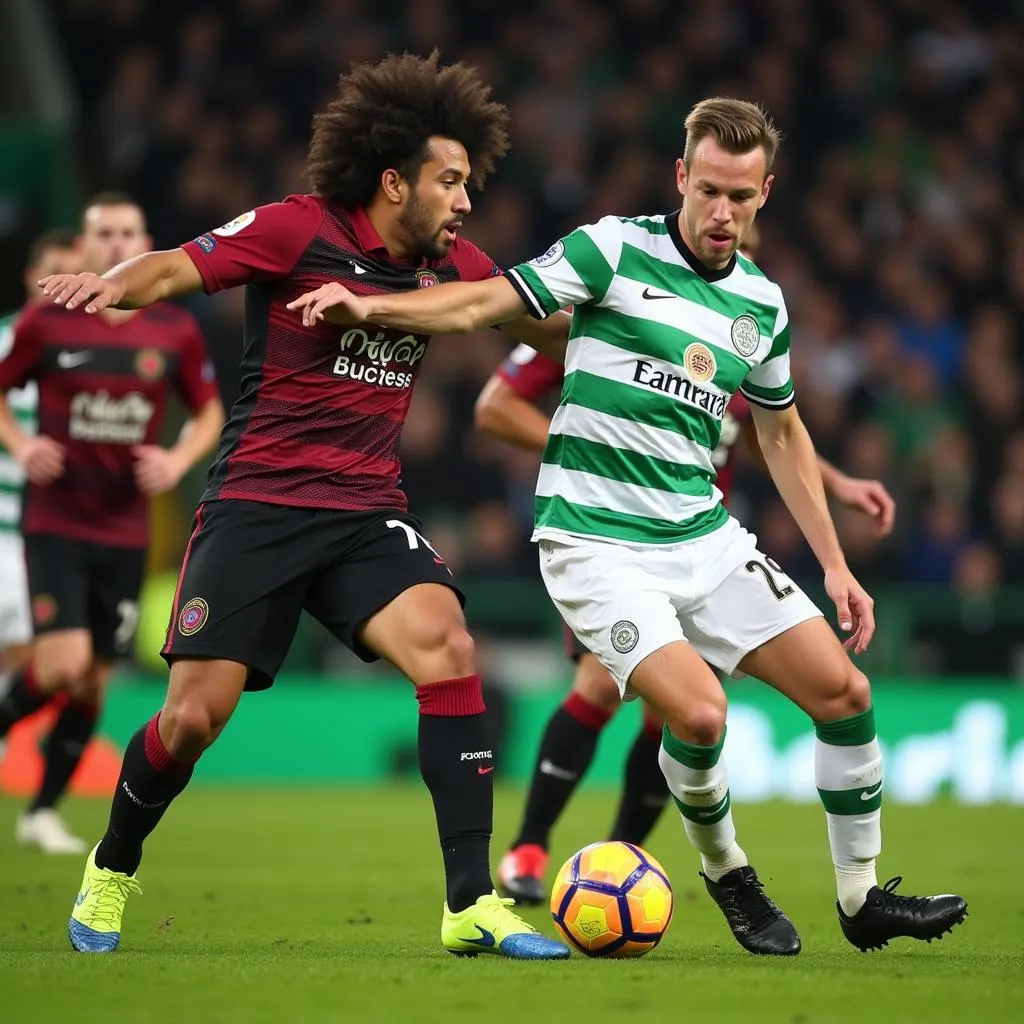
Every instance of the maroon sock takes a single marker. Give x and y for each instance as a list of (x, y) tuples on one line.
[(150, 779), (457, 765)]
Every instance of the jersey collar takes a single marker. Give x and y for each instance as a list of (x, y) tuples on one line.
[(672, 223)]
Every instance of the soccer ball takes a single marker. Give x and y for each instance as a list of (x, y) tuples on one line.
[(612, 899)]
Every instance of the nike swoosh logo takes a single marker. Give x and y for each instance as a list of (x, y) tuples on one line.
[(648, 294), (708, 814), (67, 360), (481, 770), (486, 937), (870, 794), (82, 897), (358, 269), (548, 768)]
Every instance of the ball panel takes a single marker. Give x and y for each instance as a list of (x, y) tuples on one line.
[(631, 948), (608, 863)]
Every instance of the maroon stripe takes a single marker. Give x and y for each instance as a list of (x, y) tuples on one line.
[(587, 714), (310, 391), (181, 579), (452, 697), (314, 459)]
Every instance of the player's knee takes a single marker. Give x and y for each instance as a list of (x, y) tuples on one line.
[(63, 671), (187, 728), (700, 721), (594, 683), (850, 696), (447, 652)]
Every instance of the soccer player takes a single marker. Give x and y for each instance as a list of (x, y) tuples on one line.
[(52, 253), (303, 508), (636, 548), (507, 409), (103, 387)]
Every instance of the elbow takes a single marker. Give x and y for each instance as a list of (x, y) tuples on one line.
[(484, 414)]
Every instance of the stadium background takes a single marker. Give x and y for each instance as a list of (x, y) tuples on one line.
[(894, 228)]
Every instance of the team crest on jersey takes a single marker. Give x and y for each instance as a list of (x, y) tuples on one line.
[(150, 364), (553, 255), (745, 334), (44, 609), (193, 616), (699, 362), (243, 220), (624, 636), (427, 278)]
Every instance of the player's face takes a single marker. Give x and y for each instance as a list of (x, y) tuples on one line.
[(111, 235), (722, 193), (55, 260), (435, 205)]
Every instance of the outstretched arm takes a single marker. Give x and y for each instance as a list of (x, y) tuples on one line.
[(141, 281), (503, 413)]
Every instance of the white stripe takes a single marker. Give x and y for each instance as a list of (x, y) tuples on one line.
[(24, 399), (606, 234), (598, 357), (773, 374), (577, 421), (711, 327), (10, 508), (629, 499), (10, 471), (771, 403), (661, 247)]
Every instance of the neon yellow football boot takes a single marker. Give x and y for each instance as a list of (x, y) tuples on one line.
[(95, 925), (489, 926)]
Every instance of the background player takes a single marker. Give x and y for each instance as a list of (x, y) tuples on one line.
[(507, 409), (52, 253), (303, 507), (636, 549), (103, 386)]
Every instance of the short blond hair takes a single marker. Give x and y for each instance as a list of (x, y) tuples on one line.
[(738, 127)]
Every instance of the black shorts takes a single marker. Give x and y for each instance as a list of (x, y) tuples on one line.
[(76, 584), (574, 650), (251, 568)]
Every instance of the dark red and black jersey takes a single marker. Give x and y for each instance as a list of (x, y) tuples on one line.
[(103, 387), (320, 409), (531, 374)]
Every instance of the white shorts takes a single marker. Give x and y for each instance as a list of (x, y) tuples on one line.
[(718, 592), (15, 614)]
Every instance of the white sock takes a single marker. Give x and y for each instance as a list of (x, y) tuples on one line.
[(699, 786), (853, 882)]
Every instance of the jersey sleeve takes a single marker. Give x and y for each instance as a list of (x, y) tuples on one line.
[(529, 373), (260, 245), (196, 382), (770, 383), (20, 352), (577, 269), (472, 263)]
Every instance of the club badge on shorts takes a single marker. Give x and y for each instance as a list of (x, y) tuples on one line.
[(193, 616), (624, 636), (745, 335)]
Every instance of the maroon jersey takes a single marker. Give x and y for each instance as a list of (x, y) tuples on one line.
[(103, 388), (320, 409), (531, 374)]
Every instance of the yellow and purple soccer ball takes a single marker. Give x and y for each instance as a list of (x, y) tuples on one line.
[(612, 899)]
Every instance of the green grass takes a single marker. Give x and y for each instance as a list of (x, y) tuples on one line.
[(324, 905)]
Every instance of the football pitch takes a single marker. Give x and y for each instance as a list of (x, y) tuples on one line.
[(324, 905)]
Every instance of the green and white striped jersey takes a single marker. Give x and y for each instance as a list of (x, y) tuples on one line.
[(23, 403), (658, 345)]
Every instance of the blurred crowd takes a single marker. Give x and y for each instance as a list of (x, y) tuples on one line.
[(895, 225)]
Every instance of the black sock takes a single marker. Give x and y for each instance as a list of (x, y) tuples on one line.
[(566, 751), (70, 735), (150, 779), (23, 697), (457, 765), (644, 790)]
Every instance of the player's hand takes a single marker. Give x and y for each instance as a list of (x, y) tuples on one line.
[(869, 497), (856, 609), (157, 470), (343, 306), (42, 458), (71, 290)]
